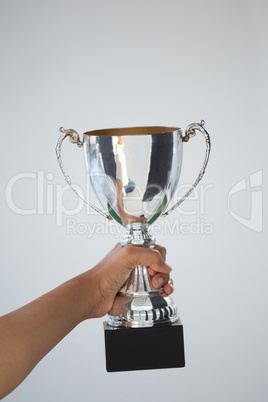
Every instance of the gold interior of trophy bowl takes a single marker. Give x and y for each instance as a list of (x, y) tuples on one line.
[(133, 131)]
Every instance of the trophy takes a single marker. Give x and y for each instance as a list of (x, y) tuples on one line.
[(134, 173)]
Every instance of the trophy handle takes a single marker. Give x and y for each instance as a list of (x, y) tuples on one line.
[(191, 132), (74, 138)]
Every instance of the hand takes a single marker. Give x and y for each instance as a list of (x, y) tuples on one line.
[(29, 333), (160, 280), (103, 282)]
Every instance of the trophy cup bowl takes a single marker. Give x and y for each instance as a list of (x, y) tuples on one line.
[(134, 173)]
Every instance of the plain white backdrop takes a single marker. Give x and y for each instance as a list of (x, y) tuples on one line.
[(98, 64)]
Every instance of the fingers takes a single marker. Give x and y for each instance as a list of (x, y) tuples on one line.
[(163, 281), (153, 259), (163, 252), (168, 289), (159, 280), (150, 258)]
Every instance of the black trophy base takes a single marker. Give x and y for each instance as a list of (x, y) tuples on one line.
[(156, 347)]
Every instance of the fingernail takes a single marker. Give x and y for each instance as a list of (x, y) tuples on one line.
[(160, 282), (151, 271)]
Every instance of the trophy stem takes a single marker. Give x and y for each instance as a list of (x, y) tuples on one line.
[(138, 283), (136, 304)]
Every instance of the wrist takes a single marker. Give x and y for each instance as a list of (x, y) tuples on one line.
[(89, 298)]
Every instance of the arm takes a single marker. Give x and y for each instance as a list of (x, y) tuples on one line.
[(29, 333)]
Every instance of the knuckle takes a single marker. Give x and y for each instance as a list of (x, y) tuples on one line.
[(164, 250), (128, 251), (157, 255)]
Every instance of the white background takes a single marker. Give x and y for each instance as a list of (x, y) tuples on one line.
[(97, 64)]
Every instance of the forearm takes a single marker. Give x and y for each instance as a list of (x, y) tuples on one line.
[(29, 333)]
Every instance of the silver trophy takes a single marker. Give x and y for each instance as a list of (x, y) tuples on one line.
[(134, 173)]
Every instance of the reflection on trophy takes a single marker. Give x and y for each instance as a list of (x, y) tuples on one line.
[(134, 173)]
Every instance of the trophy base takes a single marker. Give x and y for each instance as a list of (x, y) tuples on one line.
[(147, 348)]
